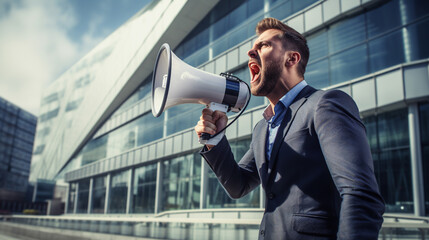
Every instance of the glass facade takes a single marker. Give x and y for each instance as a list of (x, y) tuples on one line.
[(144, 189), (83, 196), (17, 130), (181, 183), (230, 23), (363, 43), (389, 140), (99, 194), (119, 192), (217, 197)]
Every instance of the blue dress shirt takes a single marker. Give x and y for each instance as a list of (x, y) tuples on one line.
[(275, 119)]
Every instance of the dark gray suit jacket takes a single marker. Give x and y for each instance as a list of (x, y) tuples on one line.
[(320, 181)]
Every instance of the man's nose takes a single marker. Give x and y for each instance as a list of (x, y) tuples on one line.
[(252, 53)]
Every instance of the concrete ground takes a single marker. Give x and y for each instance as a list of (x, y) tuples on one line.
[(15, 231)]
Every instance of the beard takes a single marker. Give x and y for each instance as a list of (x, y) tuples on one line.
[(269, 77)]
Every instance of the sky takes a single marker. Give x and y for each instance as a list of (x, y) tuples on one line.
[(41, 39)]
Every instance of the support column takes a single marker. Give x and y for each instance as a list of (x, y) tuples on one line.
[(107, 199), (76, 197), (204, 183), (130, 192), (91, 188), (66, 205), (416, 159), (158, 190)]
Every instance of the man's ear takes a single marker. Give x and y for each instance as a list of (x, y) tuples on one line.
[(292, 58)]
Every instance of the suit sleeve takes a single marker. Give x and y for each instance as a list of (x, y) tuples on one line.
[(345, 147), (238, 179)]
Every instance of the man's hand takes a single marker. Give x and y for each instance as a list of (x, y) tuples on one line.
[(211, 122)]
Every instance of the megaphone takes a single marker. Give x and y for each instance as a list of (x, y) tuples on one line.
[(174, 82)]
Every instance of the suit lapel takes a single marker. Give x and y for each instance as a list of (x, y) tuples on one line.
[(285, 125), (260, 134)]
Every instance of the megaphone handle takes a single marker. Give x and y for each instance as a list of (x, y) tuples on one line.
[(207, 138)]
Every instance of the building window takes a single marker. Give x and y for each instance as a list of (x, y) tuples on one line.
[(389, 141), (119, 192), (424, 134), (216, 195), (71, 198), (181, 183), (144, 189), (99, 194), (83, 196)]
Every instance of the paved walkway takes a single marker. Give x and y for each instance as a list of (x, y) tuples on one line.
[(16, 231)]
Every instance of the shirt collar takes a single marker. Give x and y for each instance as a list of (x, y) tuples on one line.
[(286, 100)]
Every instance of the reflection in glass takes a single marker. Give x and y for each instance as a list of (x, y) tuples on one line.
[(182, 117), (119, 192), (346, 33), (282, 10), (181, 183), (71, 198), (349, 64), (383, 19), (318, 45), (417, 39), (382, 54), (99, 194), (144, 189), (388, 137), (317, 74), (83, 196), (216, 195)]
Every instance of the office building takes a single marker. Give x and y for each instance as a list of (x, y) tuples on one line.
[(97, 134), (17, 130)]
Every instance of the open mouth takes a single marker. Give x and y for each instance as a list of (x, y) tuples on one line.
[(254, 71)]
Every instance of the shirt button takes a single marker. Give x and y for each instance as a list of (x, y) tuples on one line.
[(271, 195)]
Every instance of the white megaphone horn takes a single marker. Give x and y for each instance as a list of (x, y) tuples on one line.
[(174, 82)]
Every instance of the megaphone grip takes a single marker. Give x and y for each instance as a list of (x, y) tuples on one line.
[(205, 136)]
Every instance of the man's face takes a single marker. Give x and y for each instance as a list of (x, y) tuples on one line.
[(266, 62)]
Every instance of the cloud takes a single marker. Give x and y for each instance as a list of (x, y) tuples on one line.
[(35, 48)]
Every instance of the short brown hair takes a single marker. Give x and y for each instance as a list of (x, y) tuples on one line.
[(292, 40)]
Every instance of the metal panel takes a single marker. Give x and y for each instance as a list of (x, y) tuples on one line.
[(232, 59), (187, 141), (177, 143), (243, 49), (209, 67), (349, 4), (297, 23), (389, 88), (364, 94), (168, 147), (220, 65), (331, 8), (416, 81), (245, 125), (160, 149), (313, 17), (347, 89)]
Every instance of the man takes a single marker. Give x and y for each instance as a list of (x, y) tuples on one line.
[(310, 152)]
